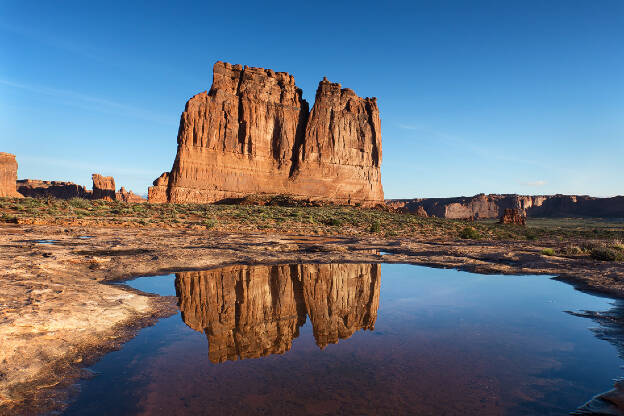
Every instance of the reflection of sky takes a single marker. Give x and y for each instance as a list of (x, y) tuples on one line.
[(504, 340)]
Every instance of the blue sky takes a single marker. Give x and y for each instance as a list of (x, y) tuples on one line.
[(475, 96)]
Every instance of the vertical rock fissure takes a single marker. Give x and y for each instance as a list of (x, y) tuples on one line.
[(241, 121)]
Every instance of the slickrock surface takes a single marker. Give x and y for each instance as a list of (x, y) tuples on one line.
[(254, 311), (494, 205), (103, 187), (252, 133), (35, 188), (8, 176), (56, 315), (513, 216)]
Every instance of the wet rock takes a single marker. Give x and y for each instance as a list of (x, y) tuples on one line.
[(610, 403)]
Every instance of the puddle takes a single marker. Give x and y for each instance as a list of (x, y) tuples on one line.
[(45, 241), (84, 237), (358, 339)]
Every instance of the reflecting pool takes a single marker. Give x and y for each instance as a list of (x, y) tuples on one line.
[(364, 339)]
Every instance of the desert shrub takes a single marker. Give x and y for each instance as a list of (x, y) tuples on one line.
[(209, 223), (80, 203), (548, 252), (375, 227), (334, 222), (470, 233), (607, 254), (571, 251), (8, 218)]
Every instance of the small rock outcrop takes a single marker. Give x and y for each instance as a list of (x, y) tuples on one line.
[(35, 188), (8, 176), (253, 133), (128, 196), (254, 311), (512, 216), (157, 194), (103, 187)]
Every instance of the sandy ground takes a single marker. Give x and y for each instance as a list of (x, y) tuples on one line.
[(57, 315)]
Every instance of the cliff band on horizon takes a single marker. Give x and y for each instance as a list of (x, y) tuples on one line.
[(253, 133)]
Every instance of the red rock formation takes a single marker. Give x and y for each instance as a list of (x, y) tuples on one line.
[(41, 189), (493, 206), (128, 196), (8, 176), (513, 216), (253, 311), (103, 187), (341, 153), (250, 134), (158, 193)]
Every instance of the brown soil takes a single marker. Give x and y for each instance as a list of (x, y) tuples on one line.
[(57, 315)]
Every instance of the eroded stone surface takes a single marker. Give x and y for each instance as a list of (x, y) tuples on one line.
[(252, 133), (8, 176)]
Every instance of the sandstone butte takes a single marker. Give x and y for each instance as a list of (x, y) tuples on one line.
[(8, 176), (253, 133), (255, 311), (103, 187)]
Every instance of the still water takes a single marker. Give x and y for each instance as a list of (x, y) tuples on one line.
[(357, 339)]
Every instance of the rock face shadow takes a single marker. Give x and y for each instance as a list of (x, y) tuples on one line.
[(256, 311)]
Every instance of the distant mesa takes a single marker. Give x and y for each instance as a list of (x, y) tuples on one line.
[(8, 176), (494, 205), (253, 134), (255, 311)]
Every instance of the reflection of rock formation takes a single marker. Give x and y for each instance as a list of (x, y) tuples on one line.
[(340, 299), (254, 311)]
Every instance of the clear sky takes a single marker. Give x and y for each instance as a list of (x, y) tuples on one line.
[(513, 96)]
